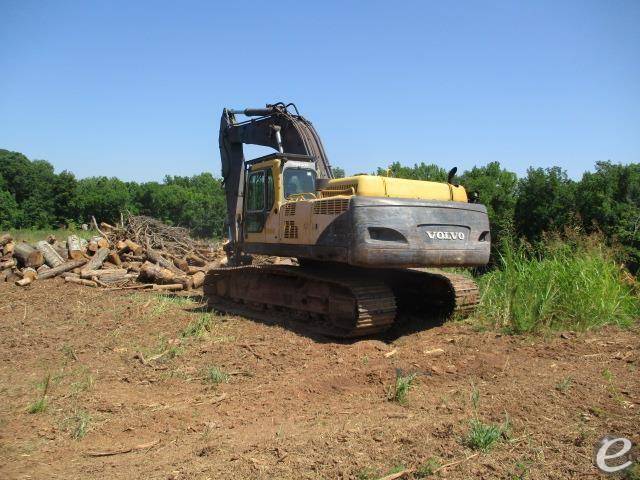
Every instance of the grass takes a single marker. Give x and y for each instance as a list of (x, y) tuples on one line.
[(198, 327), (564, 384), (163, 350), (215, 375), (84, 383), (575, 286), (78, 424), (482, 436), (40, 405), (428, 468), (34, 235), (400, 390)]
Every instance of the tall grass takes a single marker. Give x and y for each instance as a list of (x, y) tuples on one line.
[(570, 285), (32, 235)]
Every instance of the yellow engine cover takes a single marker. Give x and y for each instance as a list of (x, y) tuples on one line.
[(375, 186)]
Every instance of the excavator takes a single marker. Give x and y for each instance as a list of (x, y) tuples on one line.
[(366, 245)]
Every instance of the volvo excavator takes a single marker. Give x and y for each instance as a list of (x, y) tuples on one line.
[(366, 245)]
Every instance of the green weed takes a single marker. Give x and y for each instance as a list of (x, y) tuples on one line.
[(198, 327), (40, 405), (427, 468), (215, 375), (367, 473), (574, 287), (84, 383), (482, 436), (564, 384), (79, 424), (401, 388)]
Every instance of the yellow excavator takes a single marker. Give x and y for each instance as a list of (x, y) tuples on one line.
[(365, 244)]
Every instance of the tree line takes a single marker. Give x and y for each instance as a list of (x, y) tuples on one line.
[(606, 200), (32, 195)]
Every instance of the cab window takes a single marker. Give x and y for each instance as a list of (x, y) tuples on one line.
[(255, 193), (298, 180)]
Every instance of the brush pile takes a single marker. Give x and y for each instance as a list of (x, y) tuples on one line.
[(140, 253)]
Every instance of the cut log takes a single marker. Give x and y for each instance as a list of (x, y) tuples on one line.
[(69, 274), (133, 247), (154, 256), (43, 268), (182, 264), (4, 239), (130, 257), (156, 274), (61, 248), (114, 258), (99, 273), (193, 270), (51, 257), (28, 276), (113, 276), (8, 264), (133, 266), (100, 241), (170, 286), (196, 260), (65, 267), (97, 260), (80, 281), (8, 248), (198, 279), (76, 252), (105, 226), (92, 246), (27, 255)]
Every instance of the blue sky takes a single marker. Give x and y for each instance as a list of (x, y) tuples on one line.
[(135, 89)]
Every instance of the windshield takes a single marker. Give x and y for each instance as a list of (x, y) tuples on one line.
[(298, 180)]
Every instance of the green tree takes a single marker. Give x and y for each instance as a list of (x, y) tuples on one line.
[(546, 199), (497, 190), (64, 194), (101, 197), (609, 200), (420, 171), (337, 172), (9, 210)]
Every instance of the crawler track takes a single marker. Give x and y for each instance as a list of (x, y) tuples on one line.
[(339, 301)]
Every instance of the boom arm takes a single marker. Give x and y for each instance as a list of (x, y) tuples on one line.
[(277, 128)]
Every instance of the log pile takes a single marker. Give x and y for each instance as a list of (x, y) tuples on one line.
[(141, 253)]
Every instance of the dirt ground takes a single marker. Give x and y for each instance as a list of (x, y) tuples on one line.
[(127, 374)]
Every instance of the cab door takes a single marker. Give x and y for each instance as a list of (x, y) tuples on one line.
[(259, 202)]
